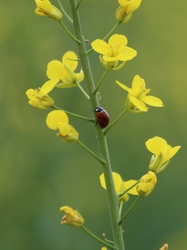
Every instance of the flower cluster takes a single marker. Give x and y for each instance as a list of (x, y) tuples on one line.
[(39, 98), (113, 55), (161, 158)]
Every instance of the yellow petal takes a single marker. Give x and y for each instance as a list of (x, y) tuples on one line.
[(31, 93), (64, 128), (171, 153), (55, 70), (128, 54), (152, 101), (123, 86), (55, 117), (117, 39), (48, 86), (101, 47), (70, 60), (117, 182), (156, 145), (138, 84), (133, 190), (138, 103)]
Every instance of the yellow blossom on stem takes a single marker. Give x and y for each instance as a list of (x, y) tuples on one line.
[(45, 8), (58, 120), (64, 71), (114, 51), (126, 9), (146, 184), (39, 98), (162, 153), (129, 5), (120, 186), (137, 97), (72, 217)]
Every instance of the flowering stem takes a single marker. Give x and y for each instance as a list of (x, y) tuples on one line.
[(129, 210), (75, 115), (83, 91), (102, 142), (69, 33), (91, 152), (115, 121), (98, 239), (64, 12), (99, 83)]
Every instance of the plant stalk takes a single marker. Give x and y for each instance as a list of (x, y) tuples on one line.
[(102, 142)]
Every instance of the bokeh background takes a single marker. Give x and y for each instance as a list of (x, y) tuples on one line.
[(39, 173)]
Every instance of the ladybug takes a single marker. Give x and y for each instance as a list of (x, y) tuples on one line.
[(102, 117)]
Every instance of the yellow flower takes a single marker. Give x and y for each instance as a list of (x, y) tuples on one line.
[(146, 184), (120, 186), (114, 51), (64, 71), (162, 153), (58, 120), (38, 98), (72, 217), (137, 96), (45, 8), (126, 9), (129, 5)]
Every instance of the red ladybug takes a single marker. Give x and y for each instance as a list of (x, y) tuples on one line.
[(102, 117)]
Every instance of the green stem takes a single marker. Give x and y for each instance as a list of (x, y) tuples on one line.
[(129, 210), (100, 81), (127, 190), (83, 91), (112, 30), (64, 12), (69, 33), (102, 142), (91, 152), (115, 121), (78, 4), (109, 33), (97, 238), (120, 207), (75, 115)]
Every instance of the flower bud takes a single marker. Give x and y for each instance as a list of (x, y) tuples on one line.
[(72, 217), (39, 101), (45, 8), (122, 16), (146, 184)]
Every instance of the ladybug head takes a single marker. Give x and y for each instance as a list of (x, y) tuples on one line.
[(98, 109)]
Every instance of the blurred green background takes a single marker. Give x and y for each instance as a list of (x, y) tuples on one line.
[(39, 173)]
